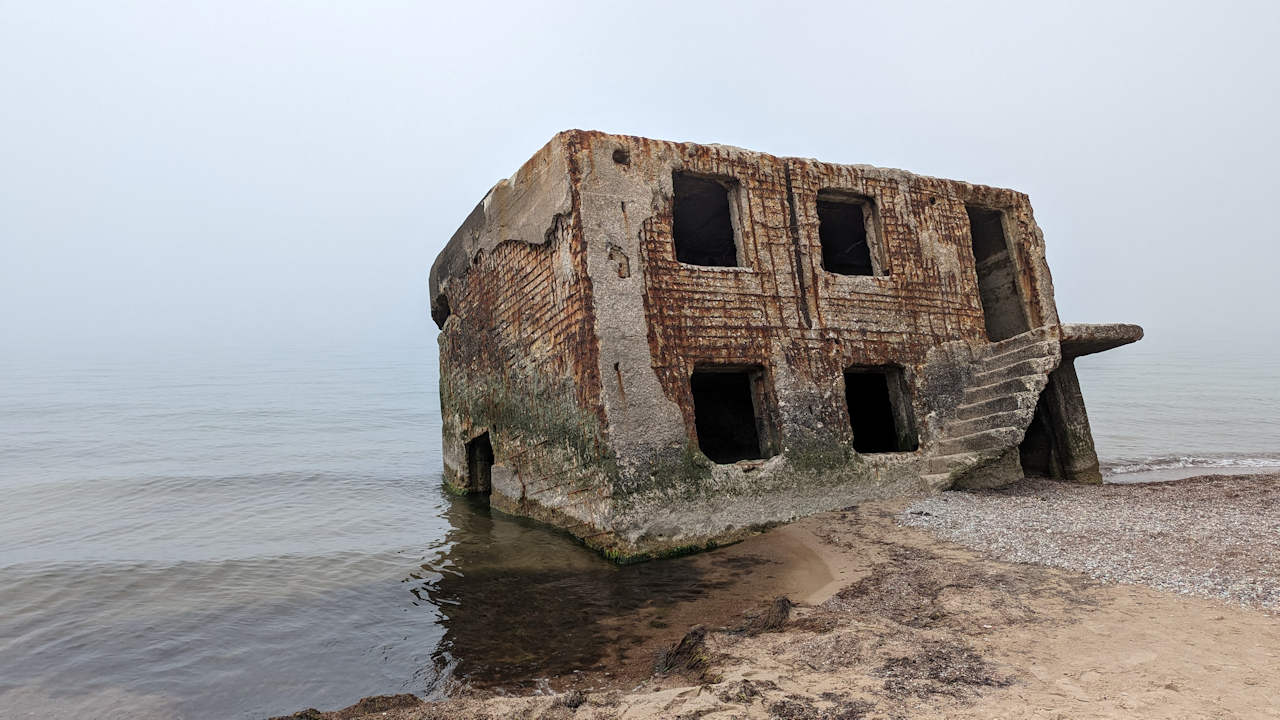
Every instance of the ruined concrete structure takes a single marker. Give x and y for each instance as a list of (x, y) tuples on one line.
[(660, 346)]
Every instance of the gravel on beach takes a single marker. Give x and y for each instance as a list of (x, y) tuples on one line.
[(1214, 536)]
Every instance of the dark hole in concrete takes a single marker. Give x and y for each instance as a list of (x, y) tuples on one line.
[(440, 310), (1036, 450), (842, 228), (988, 232), (997, 275), (701, 223), (731, 414), (479, 464), (879, 410), (622, 157)]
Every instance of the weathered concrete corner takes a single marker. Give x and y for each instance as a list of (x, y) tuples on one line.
[(663, 346)]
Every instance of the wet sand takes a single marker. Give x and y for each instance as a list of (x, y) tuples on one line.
[(751, 573), (893, 622)]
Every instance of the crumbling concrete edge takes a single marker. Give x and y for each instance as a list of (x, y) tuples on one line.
[(512, 210)]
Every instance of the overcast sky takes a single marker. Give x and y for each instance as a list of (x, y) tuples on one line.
[(220, 173)]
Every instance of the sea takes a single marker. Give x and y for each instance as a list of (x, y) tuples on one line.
[(245, 534)]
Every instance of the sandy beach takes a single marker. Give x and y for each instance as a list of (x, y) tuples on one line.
[(885, 620)]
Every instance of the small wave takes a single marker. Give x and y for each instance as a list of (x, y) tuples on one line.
[(1176, 462)]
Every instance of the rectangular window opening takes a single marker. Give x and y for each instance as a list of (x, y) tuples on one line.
[(479, 464), (732, 414), (879, 410), (702, 224), (843, 229)]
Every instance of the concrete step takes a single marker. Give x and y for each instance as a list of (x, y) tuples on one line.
[(1042, 348), (1017, 341), (937, 481), (945, 464), (1002, 388), (1022, 368), (1007, 419), (984, 441), (999, 403)]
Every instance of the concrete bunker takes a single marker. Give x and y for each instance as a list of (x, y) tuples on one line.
[(648, 402), (732, 415)]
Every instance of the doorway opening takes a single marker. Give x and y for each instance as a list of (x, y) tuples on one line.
[(479, 464), (732, 414), (880, 413), (1002, 308), (1036, 452)]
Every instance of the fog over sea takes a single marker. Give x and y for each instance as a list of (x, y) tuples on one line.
[(254, 533)]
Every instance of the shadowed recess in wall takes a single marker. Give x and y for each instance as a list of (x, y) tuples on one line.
[(879, 410), (480, 464), (997, 275), (731, 413)]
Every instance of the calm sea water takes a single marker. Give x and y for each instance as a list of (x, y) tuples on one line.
[(247, 535), (1169, 407)]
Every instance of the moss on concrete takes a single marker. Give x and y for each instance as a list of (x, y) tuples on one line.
[(817, 454), (530, 405)]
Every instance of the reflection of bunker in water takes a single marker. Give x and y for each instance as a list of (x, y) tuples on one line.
[(519, 603), (659, 346)]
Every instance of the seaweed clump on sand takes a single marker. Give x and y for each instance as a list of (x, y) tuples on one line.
[(799, 707), (939, 668), (771, 619), (689, 657)]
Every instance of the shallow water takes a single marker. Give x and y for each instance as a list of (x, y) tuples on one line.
[(249, 534), (227, 537)]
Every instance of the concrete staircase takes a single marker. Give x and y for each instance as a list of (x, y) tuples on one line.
[(997, 405)]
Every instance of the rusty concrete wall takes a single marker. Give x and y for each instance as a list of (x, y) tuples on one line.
[(657, 319), (574, 332), (518, 349)]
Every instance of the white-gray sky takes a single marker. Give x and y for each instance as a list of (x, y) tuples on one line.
[(217, 173)]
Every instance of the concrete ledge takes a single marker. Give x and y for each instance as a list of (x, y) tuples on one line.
[(1088, 338)]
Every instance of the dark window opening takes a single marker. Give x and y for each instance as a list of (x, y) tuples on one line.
[(997, 275), (842, 230), (440, 310), (701, 223), (732, 414), (479, 464), (879, 410)]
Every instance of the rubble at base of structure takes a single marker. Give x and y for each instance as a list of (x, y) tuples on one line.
[(662, 346)]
